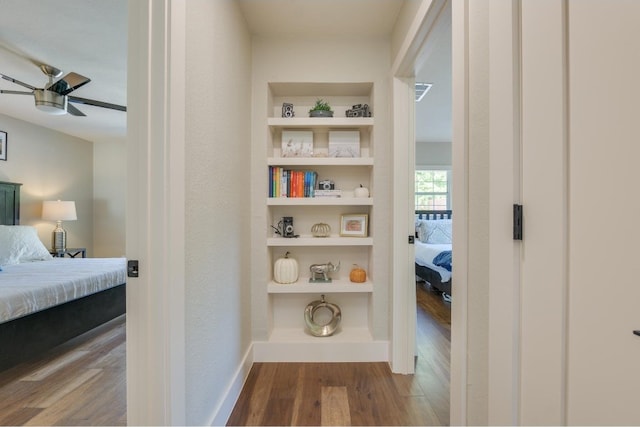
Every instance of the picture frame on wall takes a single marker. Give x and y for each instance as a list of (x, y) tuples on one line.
[(3, 145), (354, 225)]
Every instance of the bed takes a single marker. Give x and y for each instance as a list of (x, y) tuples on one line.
[(46, 301), (433, 243)]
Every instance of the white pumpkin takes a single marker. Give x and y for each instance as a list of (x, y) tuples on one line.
[(361, 192), (285, 270)]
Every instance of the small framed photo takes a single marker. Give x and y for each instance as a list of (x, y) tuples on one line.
[(3, 145), (354, 225), (297, 143)]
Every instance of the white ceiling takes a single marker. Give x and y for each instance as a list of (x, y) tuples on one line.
[(89, 37)]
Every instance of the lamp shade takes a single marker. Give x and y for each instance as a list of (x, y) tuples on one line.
[(59, 211)]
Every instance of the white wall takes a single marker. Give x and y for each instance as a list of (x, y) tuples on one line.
[(433, 154), (325, 60), (403, 23), (218, 210), (109, 194), (50, 165)]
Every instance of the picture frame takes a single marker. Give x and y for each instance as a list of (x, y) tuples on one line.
[(3, 145), (344, 143), (297, 143), (354, 225)]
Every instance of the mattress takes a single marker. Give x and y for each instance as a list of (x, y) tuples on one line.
[(426, 252), (30, 287)]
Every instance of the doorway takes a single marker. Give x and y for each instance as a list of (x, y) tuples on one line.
[(432, 188), (434, 30)]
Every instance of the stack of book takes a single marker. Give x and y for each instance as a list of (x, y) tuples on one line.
[(291, 183), (328, 193)]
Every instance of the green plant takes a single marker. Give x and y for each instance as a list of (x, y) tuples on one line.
[(321, 105)]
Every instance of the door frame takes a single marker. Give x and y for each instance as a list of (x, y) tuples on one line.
[(416, 43), (155, 212)]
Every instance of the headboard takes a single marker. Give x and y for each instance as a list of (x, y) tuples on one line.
[(9, 203), (442, 214)]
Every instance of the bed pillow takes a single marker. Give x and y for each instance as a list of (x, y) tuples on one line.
[(434, 231), (20, 243)]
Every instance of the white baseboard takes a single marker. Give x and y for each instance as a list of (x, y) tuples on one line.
[(373, 351), (224, 409)]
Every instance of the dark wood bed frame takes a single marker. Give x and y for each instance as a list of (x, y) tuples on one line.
[(29, 336), (425, 273)]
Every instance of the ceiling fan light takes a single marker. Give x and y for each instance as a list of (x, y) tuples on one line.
[(50, 102)]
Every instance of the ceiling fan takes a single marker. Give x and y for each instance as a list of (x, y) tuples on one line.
[(54, 98)]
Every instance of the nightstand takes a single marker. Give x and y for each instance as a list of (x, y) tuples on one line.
[(71, 252)]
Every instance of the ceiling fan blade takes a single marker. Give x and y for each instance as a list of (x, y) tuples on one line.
[(16, 92), (74, 111), (69, 83), (97, 103), (18, 82)]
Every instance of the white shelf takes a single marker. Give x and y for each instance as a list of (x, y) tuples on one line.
[(319, 201), (296, 345), (301, 335), (287, 339), (320, 241), (320, 161), (321, 122), (302, 286)]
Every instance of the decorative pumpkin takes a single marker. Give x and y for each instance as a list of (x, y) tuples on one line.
[(357, 274), (321, 230), (362, 192), (285, 270)]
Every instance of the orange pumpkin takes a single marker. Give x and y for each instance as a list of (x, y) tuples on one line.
[(357, 274)]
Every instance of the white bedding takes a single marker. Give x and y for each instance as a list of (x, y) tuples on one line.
[(34, 286), (426, 252)]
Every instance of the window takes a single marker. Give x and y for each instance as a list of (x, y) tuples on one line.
[(432, 189)]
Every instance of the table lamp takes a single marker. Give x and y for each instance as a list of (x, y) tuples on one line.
[(59, 211)]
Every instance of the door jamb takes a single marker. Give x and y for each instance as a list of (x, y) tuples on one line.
[(402, 347)]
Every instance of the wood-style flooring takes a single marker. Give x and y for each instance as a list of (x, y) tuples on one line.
[(330, 394), (81, 382)]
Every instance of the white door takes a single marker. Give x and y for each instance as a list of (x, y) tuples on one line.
[(604, 209), (580, 290)]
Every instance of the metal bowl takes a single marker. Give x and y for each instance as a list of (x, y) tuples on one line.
[(327, 329)]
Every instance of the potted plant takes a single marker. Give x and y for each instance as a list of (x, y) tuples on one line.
[(321, 109)]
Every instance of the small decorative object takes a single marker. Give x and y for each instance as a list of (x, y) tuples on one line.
[(3, 145), (357, 274), (326, 184), (322, 270), (344, 143), (287, 110), (297, 143), (359, 110), (285, 227), (321, 230), (321, 109), (285, 270), (361, 192), (59, 211), (354, 225), (320, 322)]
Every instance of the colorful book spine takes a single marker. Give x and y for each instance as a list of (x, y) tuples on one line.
[(291, 183)]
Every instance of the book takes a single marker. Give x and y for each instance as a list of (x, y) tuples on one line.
[(291, 183)]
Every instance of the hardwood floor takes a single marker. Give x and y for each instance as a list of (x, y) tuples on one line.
[(357, 393), (81, 382)]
